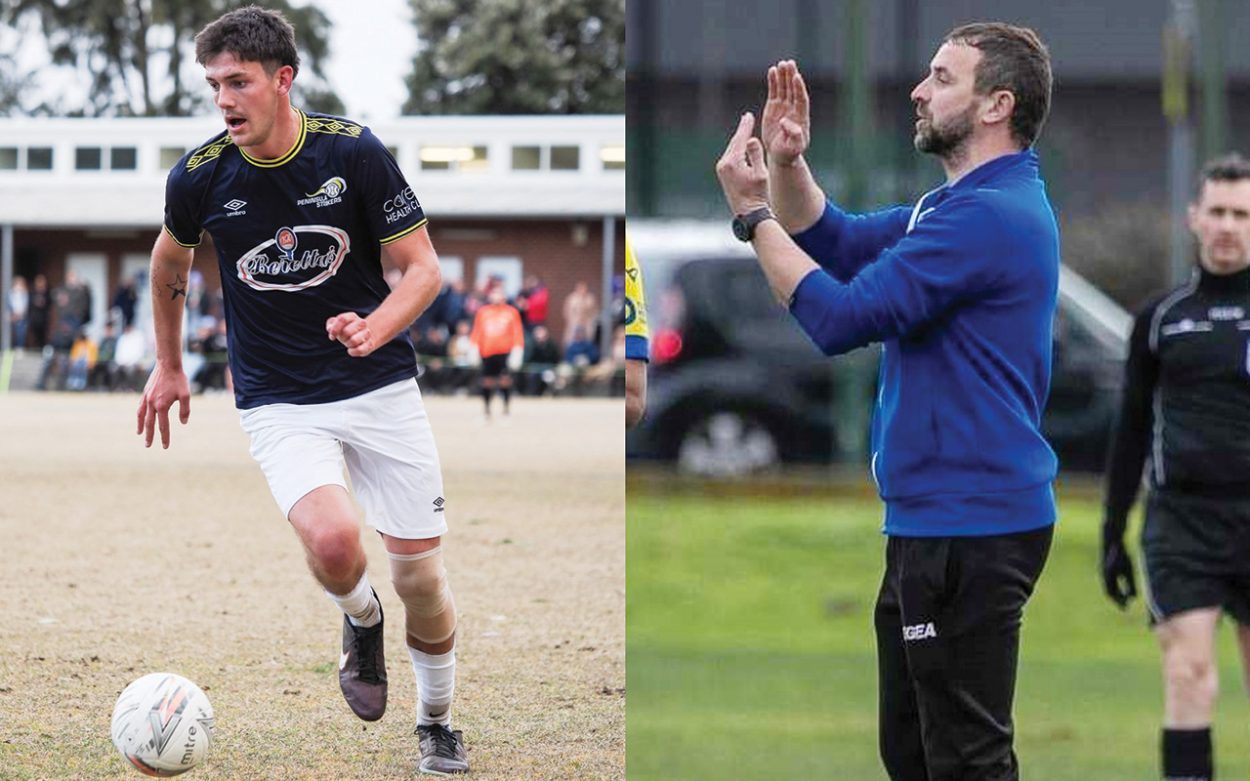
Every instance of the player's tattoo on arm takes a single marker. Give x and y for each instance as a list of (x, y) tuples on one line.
[(177, 288)]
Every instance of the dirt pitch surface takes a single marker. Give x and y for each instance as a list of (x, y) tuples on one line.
[(116, 561)]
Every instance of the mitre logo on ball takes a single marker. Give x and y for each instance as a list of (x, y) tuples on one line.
[(163, 724)]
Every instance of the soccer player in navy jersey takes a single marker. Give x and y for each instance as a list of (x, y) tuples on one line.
[(302, 208)]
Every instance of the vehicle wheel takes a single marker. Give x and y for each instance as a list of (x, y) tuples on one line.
[(727, 444)]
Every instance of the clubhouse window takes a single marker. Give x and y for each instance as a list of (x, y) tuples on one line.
[(454, 158), (565, 158), (39, 158), (612, 157), (8, 158), (527, 158), (123, 158), (88, 158)]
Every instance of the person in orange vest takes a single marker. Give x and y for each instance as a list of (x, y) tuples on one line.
[(500, 341)]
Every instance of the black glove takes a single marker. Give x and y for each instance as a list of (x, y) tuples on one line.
[(1117, 567)]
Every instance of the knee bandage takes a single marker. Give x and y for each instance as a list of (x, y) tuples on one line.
[(420, 580)]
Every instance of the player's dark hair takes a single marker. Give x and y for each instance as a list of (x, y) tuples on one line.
[(253, 34), (1013, 59), (1231, 167)]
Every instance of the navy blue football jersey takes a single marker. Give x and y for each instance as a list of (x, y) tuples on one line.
[(298, 240)]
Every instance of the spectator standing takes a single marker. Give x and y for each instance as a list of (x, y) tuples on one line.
[(54, 371), (580, 309), (537, 302), (124, 301), (453, 305), (19, 308), (431, 347), (78, 299), (214, 374), (37, 315)]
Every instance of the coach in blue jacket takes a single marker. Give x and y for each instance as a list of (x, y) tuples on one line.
[(960, 288)]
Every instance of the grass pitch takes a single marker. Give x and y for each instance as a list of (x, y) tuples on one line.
[(117, 561), (751, 650)]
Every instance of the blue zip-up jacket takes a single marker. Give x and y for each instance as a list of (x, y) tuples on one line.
[(961, 290)]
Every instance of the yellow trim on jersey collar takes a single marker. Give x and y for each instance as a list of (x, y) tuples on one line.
[(290, 153)]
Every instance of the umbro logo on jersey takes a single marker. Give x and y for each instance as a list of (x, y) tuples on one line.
[(235, 207), (919, 632)]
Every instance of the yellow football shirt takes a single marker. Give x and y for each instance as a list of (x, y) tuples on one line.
[(635, 308)]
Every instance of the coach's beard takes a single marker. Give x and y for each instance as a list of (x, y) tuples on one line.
[(949, 141)]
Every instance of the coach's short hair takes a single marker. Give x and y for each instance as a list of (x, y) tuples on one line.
[(1231, 167), (252, 34), (1014, 59)]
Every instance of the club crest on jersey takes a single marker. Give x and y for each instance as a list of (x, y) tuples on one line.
[(274, 265), (286, 241), (330, 193)]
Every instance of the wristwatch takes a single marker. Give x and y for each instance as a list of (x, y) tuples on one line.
[(744, 224)]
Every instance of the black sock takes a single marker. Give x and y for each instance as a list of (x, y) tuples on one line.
[(1187, 755), (486, 394), (506, 392)]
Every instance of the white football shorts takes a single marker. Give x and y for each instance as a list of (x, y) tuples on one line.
[(383, 437)]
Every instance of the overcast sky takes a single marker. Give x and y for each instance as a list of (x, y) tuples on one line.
[(372, 44)]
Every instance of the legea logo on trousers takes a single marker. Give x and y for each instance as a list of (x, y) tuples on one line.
[(919, 632)]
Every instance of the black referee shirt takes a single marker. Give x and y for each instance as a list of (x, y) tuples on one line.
[(1186, 395)]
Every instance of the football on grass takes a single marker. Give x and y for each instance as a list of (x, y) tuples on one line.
[(163, 724)]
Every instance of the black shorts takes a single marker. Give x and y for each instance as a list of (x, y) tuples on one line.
[(495, 365), (1197, 555), (948, 637)]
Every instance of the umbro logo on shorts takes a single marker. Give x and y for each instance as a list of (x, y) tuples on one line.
[(438, 504), (919, 632)]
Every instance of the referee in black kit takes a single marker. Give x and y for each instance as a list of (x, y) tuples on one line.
[(1187, 406)]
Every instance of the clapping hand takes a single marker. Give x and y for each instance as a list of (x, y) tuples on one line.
[(741, 170), (786, 125)]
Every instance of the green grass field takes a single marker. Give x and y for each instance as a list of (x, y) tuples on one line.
[(751, 652)]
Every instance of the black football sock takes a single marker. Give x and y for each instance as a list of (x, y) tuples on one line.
[(1187, 755)]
